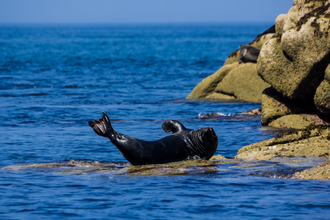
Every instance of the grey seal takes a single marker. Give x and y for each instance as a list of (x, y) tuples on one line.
[(248, 53), (182, 144)]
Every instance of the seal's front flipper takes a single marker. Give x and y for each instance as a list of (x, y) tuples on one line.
[(172, 125), (102, 126)]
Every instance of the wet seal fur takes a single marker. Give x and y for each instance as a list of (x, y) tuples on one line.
[(181, 145), (248, 54)]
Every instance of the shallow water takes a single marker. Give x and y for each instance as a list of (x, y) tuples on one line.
[(53, 79)]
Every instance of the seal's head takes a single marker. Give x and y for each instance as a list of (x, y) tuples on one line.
[(207, 141), (209, 137)]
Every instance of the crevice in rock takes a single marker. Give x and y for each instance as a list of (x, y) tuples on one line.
[(313, 80), (225, 93), (294, 107), (287, 56)]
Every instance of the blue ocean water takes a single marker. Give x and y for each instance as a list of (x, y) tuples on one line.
[(54, 79)]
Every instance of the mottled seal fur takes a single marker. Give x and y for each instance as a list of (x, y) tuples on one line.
[(181, 145), (248, 54)]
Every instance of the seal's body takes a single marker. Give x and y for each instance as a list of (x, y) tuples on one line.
[(181, 145)]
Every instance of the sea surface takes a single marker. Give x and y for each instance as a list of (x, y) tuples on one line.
[(55, 78)]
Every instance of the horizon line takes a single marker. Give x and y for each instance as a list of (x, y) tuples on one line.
[(138, 23)]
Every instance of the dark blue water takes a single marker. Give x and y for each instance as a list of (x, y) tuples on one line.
[(53, 79)]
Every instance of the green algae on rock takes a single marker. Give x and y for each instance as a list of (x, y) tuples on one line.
[(188, 167), (175, 168), (43, 166), (77, 167)]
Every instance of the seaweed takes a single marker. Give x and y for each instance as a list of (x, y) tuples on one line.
[(318, 12), (234, 54)]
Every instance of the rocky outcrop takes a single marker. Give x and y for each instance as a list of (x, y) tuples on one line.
[(294, 62), (232, 82), (308, 143), (208, 85), (322, 94), (257, 43), (275, 105), (243, 83), (297, 121), (236, 80), (320, 172), (293, 69)]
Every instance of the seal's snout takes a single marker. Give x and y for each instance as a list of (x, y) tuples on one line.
[(212, 131)]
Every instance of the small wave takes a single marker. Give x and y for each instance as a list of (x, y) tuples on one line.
[(212, 115), (24, 95), (74, 87)]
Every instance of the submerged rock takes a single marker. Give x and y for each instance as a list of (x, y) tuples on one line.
[(175, 168), (252, 112), (276, 168), (83, 167)]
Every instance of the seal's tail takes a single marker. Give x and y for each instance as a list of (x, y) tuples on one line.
[(102, 126)]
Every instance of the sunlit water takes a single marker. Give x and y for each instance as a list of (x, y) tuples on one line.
[(53, 79)]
